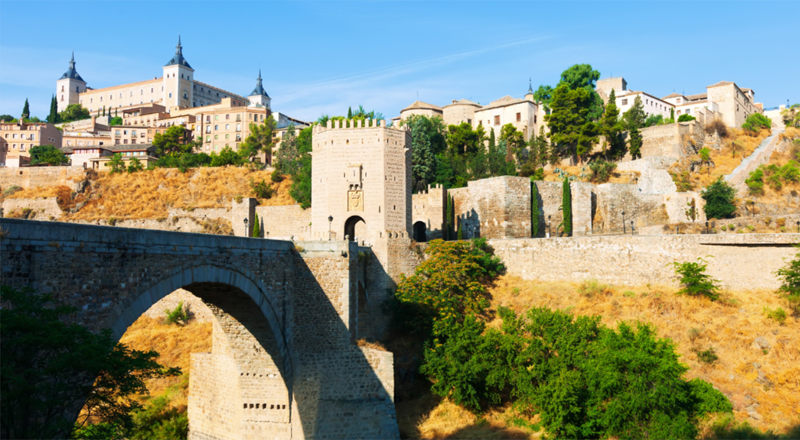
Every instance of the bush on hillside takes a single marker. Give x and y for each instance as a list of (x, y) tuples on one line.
[(695, 281), (178, 315), (755, 123), (601, 171), (790, 283), (719, 197), (686, 118), (262, 190), (717, 126)]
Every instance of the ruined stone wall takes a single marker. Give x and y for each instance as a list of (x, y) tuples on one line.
[(285, 222), (739, 261), (613, 199), (430, 207), (42, 208), (677, 140), (31, 177)]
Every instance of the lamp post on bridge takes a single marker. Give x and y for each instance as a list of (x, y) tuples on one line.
[(330, 225), (623, 223), (246, 231), (550, 233)]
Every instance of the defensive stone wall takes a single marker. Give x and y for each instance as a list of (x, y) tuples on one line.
[(653, 175), (285, 222), (676, 140), (31, 177), (429, 207), (740, 262)]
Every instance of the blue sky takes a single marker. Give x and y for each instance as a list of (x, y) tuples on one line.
[(320, 58)]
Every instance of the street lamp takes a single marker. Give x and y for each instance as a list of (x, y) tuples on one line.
[(550, 233), (707, 231), (246, 231), (631, 227), (330, 225), (623, 222), (798, 226)]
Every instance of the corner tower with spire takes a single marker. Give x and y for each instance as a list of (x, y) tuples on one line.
[(178, 80), (69, 86), (258, 97)]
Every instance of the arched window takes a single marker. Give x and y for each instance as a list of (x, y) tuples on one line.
[(62, 88)]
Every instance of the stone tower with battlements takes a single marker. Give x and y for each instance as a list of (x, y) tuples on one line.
[(361, 173)]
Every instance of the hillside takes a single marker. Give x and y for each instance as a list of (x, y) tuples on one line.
[(150, 194), (762, 384)]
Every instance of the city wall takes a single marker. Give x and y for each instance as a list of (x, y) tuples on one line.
[(676, 140), (31, 177), (285, 221), (740, 262)]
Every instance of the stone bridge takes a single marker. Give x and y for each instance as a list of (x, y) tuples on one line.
[(284, 363)]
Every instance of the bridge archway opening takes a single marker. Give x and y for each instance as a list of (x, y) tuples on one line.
[(420, 232), (248, 371), (355, 227)]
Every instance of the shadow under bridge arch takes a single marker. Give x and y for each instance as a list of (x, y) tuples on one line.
[(355, 227), (244, 385)]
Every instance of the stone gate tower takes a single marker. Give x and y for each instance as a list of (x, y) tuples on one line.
[(361, 173)]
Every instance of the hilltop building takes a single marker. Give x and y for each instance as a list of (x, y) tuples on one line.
[(176, 88), (17, 139)]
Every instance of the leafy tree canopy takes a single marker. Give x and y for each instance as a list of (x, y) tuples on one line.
[(462, 139), (47, 154), (73, 112), (427, 140), (571, 129), (50, 368), (260, 139), (174, 142), (720, 197)]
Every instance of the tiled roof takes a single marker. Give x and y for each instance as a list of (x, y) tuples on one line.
[(422, 106), (502, 102), (697, 96), (672, 95), (463, 102), (721, 83)]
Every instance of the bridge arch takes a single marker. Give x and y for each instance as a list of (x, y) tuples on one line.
[(249, 372), (354, 227)]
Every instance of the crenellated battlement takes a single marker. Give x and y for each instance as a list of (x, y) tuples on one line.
[(354, 124)]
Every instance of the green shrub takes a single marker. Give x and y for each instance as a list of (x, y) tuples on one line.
[(778, 314), (592, 287), (731, 226), (276, 176), (11, 190), (176, 316), (755, 122), (262, 189), (112, 221), (601, 171), (629, 294), (724, 228), (694, 281), (719, 197), (708, 356), (755, 182), (694, 333), (686, 118), (790, 286)]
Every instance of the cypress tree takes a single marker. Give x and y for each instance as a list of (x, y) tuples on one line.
[(256, 228), (534, 209), (349, 113), (566, 207), (447, 234), (459, 234), (116, 113), (51, 117), (26, 111)]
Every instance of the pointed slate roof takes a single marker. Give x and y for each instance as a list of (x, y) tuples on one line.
[(259, 90), (71, 73), (178, 57)]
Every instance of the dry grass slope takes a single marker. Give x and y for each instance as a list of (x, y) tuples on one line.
[(150, 194)]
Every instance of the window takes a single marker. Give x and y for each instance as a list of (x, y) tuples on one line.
[(151, 90), (227, 126), (124, 141), (170, 94), (216, 136), (480, 123), (624, 102), (678, 100), (216, 117), (519, 117), (227, 136), (33, 137), (117, 133), (238, 127), (469, 121), (133, 141), (216, 127), (77, 89), (534, 119), (62, 88), (497, 120), (679, 112), (185, 96), (208, 129)]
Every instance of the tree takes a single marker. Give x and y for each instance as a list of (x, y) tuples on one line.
[(566, 207), (720, 197), (534, 209), (49, 368), (611, 127), (755, 123), (225, 157), (134, 165), (52, 117), (582, 76), (74, 112), (427, 140), (174, 142), (654, 120), (301, 179), (791, 116), (571, 130), (463, 140), (671, 113), (790, 283), (116, 163), (256, 228), (705, 157), (635, 116), (686, 118), (260, 139), (635, 143), (695, 281), (287, 152), (544, 94), (450, 218), (349, 113), (515, 140), (47, 154), (26, 111), (118, 121)]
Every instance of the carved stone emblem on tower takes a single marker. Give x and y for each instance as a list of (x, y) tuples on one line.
[(355, 200)]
